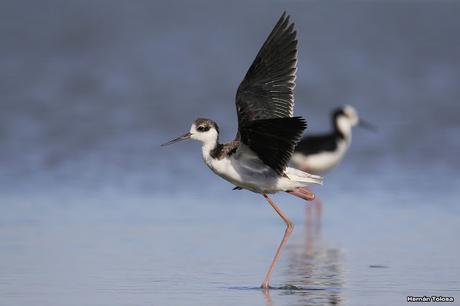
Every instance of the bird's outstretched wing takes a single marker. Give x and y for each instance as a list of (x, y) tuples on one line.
[(265, 99), (267, 89)]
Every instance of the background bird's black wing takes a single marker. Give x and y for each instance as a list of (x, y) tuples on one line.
[(267, 89), (315, 144), (273, 140)]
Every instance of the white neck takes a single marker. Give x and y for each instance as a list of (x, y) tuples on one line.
[(344, 125), (207, 147), (209, 140)]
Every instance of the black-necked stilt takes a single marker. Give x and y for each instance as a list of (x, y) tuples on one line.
[(320, 153), (267, 131)]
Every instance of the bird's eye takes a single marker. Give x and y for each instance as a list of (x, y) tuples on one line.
[(203, 128)]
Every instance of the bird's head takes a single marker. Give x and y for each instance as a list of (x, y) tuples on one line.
[(204, 130), (346, 117)]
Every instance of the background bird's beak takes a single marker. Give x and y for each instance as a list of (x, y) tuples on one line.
[(183, 137), (366, 125)]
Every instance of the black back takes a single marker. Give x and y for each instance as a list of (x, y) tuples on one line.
[(316, 144), (309, 145)]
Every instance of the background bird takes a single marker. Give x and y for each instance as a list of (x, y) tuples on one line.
[(267, 131), (321, 153)]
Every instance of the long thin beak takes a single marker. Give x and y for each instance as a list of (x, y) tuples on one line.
[(366, 125), (183, 137)]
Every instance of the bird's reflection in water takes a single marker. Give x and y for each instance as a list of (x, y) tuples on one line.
[(312, 225), (314, 272)]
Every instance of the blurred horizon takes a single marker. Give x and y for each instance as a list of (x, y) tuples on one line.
[(90, 90)]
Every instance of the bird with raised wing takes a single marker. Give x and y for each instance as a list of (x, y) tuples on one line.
[(267, 131)]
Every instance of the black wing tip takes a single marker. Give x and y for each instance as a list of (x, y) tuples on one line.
[(284, 16), (285, 19), (302, 121), (283, 25)]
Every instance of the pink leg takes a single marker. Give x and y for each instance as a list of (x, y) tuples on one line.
[(308, 234), (319, 208), (303, 193), (287, 233), (316, 201)]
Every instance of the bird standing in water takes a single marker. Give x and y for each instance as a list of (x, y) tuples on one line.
[(320, 153), (267, 131)]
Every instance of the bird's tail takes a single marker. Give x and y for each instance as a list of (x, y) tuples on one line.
[(303, 177)]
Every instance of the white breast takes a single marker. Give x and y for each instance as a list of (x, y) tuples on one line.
[(244, 169)]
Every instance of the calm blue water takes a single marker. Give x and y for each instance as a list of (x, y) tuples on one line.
[(94, 212)]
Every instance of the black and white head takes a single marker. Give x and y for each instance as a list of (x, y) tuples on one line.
[(346, 117), (204, 130)]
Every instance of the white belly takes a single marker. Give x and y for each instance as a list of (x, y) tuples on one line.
[(244, 169), (260, 179)]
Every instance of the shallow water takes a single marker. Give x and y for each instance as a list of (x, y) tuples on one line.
[(93, 212), (130, 249)]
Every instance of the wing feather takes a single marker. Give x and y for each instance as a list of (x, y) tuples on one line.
[(274, 140), (267, 89)]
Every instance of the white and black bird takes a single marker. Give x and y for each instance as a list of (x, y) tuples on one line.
[(267, 131), (321, 153)]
